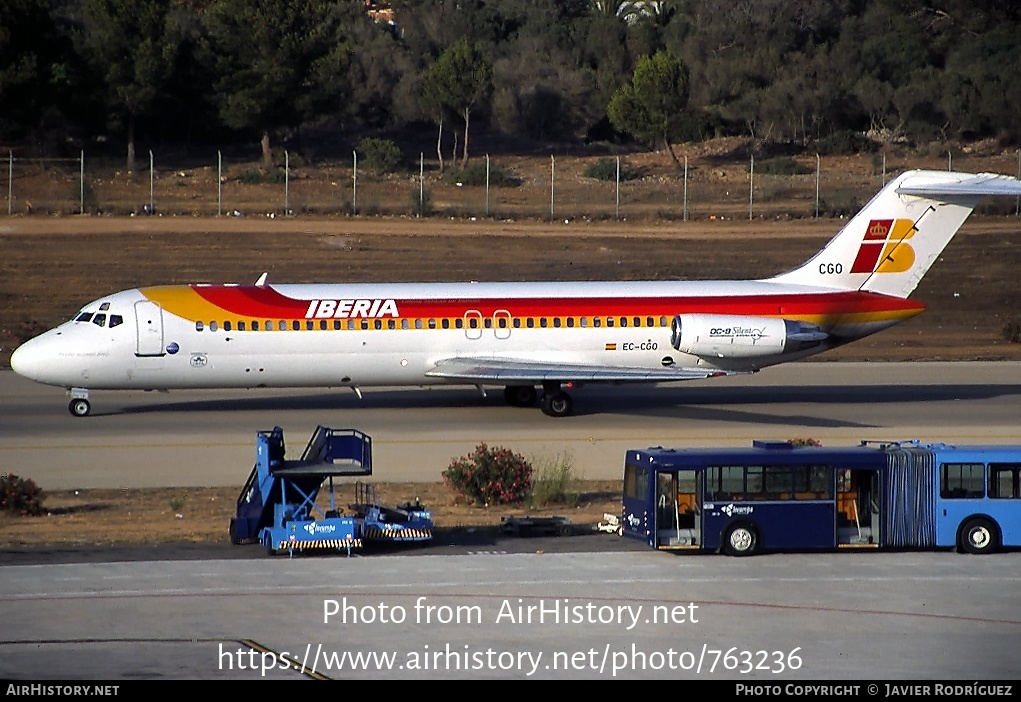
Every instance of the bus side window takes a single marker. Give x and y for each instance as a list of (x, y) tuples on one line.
[(962, 480), (1004, 480)]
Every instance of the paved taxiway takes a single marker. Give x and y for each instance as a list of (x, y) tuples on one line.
[(207, 438), (770, 619), (844, 616)]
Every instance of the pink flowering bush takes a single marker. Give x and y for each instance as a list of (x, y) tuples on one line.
[(20, 496), (490, 476)]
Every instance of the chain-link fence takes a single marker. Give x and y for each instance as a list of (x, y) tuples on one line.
[(635, 187)]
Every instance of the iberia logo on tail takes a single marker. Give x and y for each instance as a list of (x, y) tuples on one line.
[(885, 248)]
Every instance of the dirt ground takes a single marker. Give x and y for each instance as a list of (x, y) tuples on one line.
[(51, 265)]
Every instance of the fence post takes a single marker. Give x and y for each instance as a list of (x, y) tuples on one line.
[(950, 160), (10, 182), (354, 184), (1017, 205), (552, 173), (287, 183), (487, 185), (684, 210), (818, 168), (152, 203), (616, 209), (751, 186), (81, 183), (421, 184)]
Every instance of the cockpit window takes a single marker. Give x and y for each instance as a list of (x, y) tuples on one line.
[(116, 320), (104, 307), (99, 320), (83, 317)]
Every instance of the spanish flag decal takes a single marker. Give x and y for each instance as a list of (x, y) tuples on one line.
[(611, 347)]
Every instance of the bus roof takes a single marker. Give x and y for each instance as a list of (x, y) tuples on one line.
[(867, 454)]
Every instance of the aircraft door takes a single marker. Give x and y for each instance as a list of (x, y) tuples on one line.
[(502, 324), (149, 328), (473, 324)]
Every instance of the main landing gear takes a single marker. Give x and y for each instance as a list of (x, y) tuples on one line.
[(555, 402)]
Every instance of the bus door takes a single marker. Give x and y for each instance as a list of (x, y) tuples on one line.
[(858, 507), (678, 509)]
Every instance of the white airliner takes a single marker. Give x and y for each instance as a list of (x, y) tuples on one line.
[(519, 335)]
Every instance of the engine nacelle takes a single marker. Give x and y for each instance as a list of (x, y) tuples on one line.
[(738, 336)]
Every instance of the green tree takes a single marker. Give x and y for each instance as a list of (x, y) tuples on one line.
[(460, 79), (133, 45), (653, 106), (274, 63)]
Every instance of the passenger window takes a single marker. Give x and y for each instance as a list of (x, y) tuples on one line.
[(255, 325), (199, 326), (597, 321), (446, 323), (570, 321), (609, 321), (556, 322), (530, 323), (378, 324), (542, 322), (336, 325), (226, 326), (99, 320), (310, 325), (241, 325), (116, 320), (323, 325), (213, 326), (623, 321), (962, 480), (296, 325), (418, 324), (282, 325), (405, 325), (392, 323), (432, 323)]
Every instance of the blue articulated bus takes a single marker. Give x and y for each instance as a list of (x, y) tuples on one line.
[(776, 496)]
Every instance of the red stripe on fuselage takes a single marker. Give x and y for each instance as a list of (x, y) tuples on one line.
[(265, 302)]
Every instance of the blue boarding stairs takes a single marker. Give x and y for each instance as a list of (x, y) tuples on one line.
[(280, 506)]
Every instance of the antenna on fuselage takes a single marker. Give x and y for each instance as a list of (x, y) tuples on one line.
[(262, 279)]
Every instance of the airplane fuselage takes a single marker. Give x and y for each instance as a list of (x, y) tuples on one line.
[(228, 336)]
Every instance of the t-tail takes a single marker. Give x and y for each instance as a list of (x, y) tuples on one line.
[(891, 243)]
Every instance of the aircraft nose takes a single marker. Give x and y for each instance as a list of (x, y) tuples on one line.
[(25, 361), (35, 359)]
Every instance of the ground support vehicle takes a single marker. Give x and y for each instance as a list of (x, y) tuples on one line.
[(281, 505)]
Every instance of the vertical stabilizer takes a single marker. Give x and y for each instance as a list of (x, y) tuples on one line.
[(891, 243)]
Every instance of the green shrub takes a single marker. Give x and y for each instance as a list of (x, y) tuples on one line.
[(552, 479), (606, 169), (1012, 332), (380, 156), (804, 441), (20, 496), (845, 143), (490, 476), (475, 174), (785, 165), (254, 176)]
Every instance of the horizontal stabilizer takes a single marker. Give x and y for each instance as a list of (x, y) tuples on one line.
[(967, 185), (499, 370)]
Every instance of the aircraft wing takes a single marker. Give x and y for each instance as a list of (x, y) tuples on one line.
[(501, 370)]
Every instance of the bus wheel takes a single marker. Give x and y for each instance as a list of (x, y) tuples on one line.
[(978, 536), (740, 540)]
